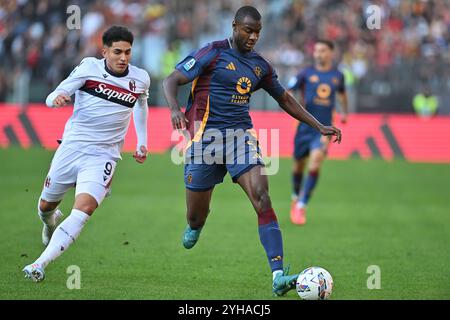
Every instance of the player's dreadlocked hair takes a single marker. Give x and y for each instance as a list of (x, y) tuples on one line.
[(117, 33), (247, 11)]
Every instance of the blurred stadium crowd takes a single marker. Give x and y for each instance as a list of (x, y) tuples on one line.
[(408, 54)]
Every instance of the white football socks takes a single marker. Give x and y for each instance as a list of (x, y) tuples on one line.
[(64, 235)]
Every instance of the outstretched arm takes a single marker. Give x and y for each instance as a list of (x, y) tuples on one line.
[(288, 103), (170, 87)]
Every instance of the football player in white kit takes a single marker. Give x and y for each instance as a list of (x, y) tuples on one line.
[(106, 91)]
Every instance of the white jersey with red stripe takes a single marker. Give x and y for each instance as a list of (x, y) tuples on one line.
[(103, 106)]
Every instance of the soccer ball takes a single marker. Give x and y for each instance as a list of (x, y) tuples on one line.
[(314, 283)]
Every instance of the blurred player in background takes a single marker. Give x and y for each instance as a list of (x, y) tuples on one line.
[(106, 90), (224, 75), (319, 85)]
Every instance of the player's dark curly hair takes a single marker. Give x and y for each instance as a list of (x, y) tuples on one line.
[(326, 42), (117, 33), (247, 11)]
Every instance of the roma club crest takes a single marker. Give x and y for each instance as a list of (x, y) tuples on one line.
[(257, 71)]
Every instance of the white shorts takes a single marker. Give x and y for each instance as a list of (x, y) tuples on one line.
[(91, 174)]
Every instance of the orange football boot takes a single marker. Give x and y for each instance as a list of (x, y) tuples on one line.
[(298, 215)]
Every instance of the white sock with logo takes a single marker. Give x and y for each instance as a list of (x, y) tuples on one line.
[(65, 234)]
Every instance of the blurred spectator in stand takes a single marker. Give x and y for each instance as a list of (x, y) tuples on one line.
[(170, 58), (3, 86), (425, 103), (412, 46)]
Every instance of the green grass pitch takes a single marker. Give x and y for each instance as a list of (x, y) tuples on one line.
[(395, 215)]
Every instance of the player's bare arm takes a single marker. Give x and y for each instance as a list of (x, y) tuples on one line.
[(170, 87), (288, 103), (343, 100)]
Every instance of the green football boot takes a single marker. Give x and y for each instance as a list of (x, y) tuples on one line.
[(283, 283), (190, 237)]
